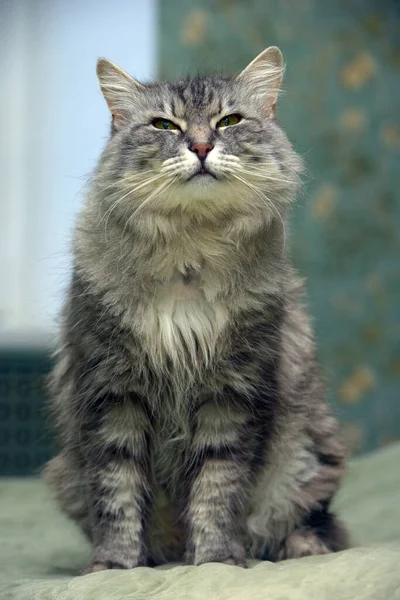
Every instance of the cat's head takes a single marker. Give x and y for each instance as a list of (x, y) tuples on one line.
[(206, 145)]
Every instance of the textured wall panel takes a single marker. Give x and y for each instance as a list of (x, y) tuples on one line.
[(341, 110)]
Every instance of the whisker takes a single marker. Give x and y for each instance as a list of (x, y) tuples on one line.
[(269, 203), (259, 171), (108, 213), (297, 172), (129, 179), (163, 186), (264, 176)]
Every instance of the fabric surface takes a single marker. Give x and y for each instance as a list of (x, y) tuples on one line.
[(41, 553)]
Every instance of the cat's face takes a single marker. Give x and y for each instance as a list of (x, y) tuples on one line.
[(202, 145)]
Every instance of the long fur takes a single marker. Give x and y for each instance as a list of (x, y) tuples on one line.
[(186, 392)]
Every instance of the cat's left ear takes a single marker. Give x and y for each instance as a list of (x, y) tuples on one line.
[(264, 76), (119, 89)]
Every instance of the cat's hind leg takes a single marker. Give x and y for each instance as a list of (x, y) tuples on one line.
[(320, 533), (67, 481)]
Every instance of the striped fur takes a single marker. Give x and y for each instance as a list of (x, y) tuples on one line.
[(186, 393)]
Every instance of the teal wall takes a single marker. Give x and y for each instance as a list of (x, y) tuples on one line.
[(26, 441), (341, 111)]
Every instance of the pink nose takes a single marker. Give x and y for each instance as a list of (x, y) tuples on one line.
[(201, 150)]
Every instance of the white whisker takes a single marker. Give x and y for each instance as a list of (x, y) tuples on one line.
[(269, 203), (119, 200), (163, 186), (127, 179)]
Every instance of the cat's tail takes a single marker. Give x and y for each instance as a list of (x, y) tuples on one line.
[(68, 484)]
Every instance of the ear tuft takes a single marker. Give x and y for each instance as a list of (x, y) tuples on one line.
[(264, 76), (119, 90)]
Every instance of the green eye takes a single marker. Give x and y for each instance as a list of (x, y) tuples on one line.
[(229, 120), (164, 124)]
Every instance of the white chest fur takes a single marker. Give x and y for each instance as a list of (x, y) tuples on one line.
[(182, 325)]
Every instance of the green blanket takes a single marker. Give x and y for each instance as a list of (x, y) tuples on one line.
[(42, 553)]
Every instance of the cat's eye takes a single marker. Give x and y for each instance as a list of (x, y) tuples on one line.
[(229, 120), (164, 124)]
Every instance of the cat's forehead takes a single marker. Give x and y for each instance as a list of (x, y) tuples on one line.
[(199, 96)]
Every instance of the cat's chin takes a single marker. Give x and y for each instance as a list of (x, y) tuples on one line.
[(199, 186), (206, 196), (203, 175), (202, 181)]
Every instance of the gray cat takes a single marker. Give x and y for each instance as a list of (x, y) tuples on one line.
[(186, 392)]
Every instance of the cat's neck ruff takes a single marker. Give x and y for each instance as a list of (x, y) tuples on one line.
[(175, 281)]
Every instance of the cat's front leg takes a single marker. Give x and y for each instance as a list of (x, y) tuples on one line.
[(219, 485), (117, 470)]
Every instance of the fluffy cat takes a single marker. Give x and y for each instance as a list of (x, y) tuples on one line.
[(189, 407)]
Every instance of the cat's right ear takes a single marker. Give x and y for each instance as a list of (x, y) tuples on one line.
[(263, 76), (119, 89)]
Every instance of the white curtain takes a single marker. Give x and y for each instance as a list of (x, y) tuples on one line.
[(53, 124)]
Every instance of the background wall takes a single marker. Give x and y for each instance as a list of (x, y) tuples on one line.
[(53, 124), (341, 110)]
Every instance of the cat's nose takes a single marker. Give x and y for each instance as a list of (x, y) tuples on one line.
[(201, 150)]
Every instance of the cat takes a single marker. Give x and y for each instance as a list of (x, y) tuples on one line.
[(186, 392)]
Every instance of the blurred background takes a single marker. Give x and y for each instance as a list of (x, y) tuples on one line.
[(340, 109)]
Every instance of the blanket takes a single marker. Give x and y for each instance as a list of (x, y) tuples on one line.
[(42, 553)]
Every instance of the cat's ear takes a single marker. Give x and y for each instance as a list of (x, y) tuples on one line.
[(119, 89), (264, 76)]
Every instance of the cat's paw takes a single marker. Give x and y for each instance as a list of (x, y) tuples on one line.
[(116, 558), (230, 553), (95, 566), (232, 560), (302, 542)]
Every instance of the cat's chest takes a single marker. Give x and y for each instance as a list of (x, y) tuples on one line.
[(181, 324), (181, 287)]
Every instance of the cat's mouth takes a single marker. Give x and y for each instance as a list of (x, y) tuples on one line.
[(202, 172)]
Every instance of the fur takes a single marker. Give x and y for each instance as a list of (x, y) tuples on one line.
[(186, 392)]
